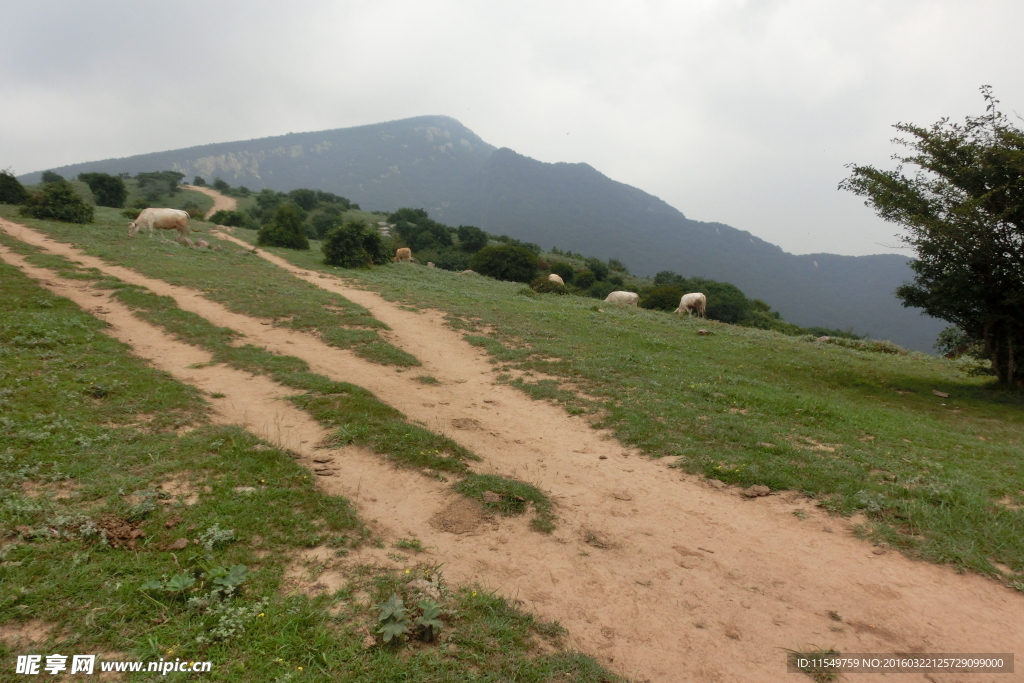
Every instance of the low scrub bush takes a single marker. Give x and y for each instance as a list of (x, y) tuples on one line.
[(506, 262), (447, 259), (284, 230), (58, 202), (542, 285), (584, 279), (471, 239), (563, 270), (354, 245)]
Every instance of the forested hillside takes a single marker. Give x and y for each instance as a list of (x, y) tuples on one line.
[(436, 163)]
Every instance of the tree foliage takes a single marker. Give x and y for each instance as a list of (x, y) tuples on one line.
[(107, 190), (58, 202), (962, 212), (506, 262), (232, 219), (11, 189), (285, 230), (354, 245), (662, 298), (51, 177), (471, 239), (418, 231)]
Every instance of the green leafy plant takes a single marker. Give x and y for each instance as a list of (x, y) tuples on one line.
[(429, 623), (58, 202), (284, 230), (11, 190), (506, 262), (354, 245), (393, 621)]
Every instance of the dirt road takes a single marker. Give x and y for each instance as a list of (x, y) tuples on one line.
[(220, 202), (659, 575)]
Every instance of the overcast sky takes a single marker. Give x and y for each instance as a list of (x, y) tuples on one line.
[(743, 112)]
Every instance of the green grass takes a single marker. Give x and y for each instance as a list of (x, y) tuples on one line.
[(514, 497), (859, 430), (233, 276), (90, 433)]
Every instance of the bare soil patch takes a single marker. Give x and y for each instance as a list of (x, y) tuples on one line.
[(755, 577), (21, 634)]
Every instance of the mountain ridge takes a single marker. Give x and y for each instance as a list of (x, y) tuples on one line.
[(436, 163)]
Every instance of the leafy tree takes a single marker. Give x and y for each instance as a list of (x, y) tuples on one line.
[(543, 285), (726, 302), (108, 190), (471, 239), (599, 290), (446, 258), (51, 177), (354, 245), (418, 231), (198, 182), (11, 189), (305, 199), (221, 185), (963, 214), (285, 230), (58, 202), (505, 262), (326, 220), (155, 184)]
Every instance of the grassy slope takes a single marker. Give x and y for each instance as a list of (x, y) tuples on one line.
[(860, 431), (82, 417), (231, 276)]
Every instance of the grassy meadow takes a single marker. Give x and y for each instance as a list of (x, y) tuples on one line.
[(132, 527), (860, 431)]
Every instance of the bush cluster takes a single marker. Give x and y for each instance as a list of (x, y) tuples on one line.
[(107, 190), (354, 245), (58, 202), (284, 230), (506, 262)]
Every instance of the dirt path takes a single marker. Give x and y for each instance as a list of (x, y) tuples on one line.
[(655, 573), (220, 202)]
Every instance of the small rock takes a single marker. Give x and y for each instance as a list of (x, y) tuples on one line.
[(244, 489), (823, 339), (940, 393), (491, 497), (368, 642), (878, 551), (622, 495), (716, 484), (180, 544), (602, 457), (827, 529), (172, 522), (703, 332), (756, 491)]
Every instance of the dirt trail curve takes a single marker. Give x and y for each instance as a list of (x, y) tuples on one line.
[(220, 202), (655, 573)]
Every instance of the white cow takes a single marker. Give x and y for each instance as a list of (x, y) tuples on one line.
[(163, 219), (555, 277), (694, 301), (628, 298)]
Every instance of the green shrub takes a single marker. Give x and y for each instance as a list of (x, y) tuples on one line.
[(198, 182), (221, 185), (354, 245), (505, 262), (599, 290), (584, 279), (192, 209), (284, 230), (232, 219), (471, 239), (326, 220), (58, 202), (543, 285), (563, 270), (418, 231), (107, 190), (11, 189), (446, 258), (598, 267), (663, 298), (51, 177)]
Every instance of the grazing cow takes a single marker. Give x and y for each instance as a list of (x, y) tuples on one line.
[(555, 277), (693, 302), (163, 219), (403, 255), (628, 298)]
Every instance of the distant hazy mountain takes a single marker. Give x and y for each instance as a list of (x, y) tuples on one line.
[(436, 163)]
